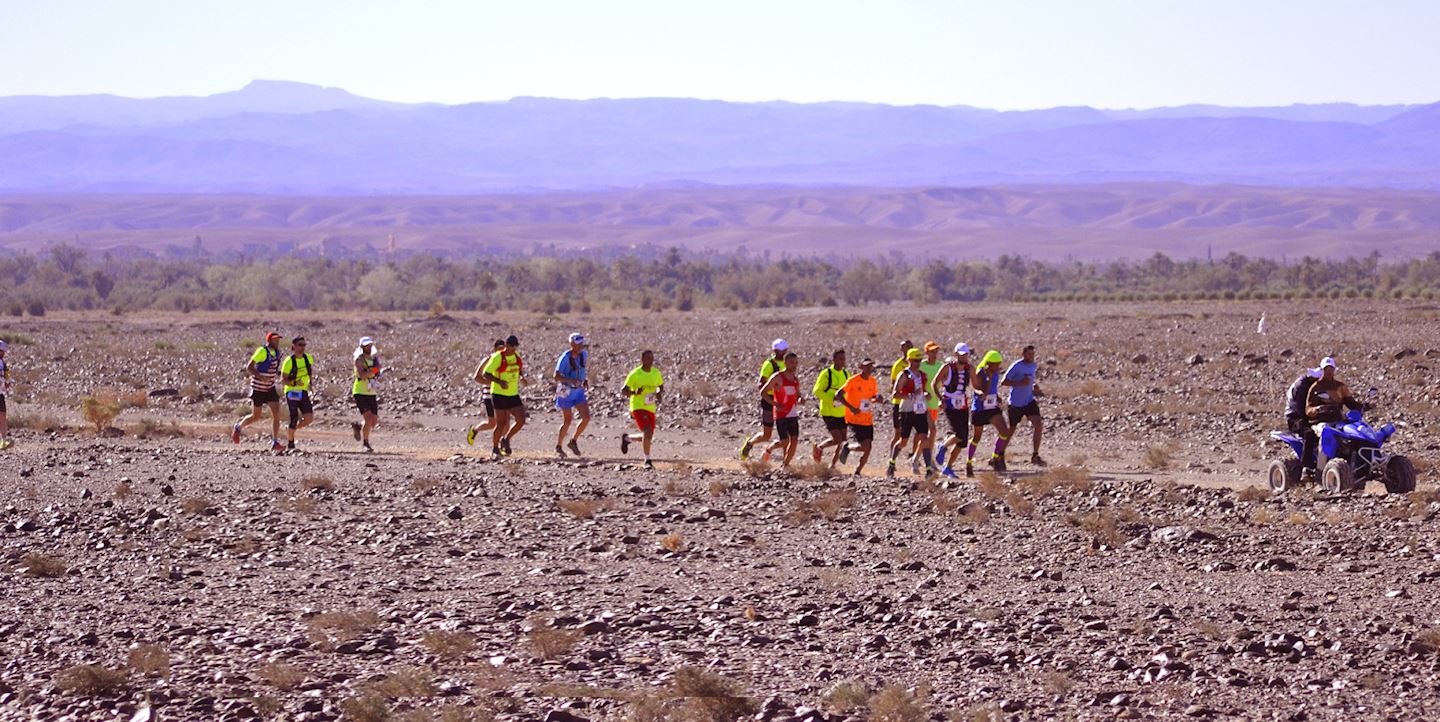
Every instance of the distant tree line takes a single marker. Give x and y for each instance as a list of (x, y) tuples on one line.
[(69, 278)]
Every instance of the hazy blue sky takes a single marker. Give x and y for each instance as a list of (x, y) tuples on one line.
[(998, 53)]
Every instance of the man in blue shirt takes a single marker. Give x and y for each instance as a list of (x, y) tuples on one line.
[(571, 381), (1024, 395)]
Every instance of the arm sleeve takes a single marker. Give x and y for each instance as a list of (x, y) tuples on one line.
[(819, 383), (630, 381), (492, 364)]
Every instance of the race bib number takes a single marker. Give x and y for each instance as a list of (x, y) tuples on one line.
[(561, 391), (919, 406), (957, 401), (991, 402), (650, 399), (865, 406), (295, 395)]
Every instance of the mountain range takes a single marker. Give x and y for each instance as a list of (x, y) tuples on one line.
[(284, 138)]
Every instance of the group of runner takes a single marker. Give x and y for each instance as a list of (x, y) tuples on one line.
[(501, 377), (920, 386)]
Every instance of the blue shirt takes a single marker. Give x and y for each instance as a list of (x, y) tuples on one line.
[(1021, 395), (571, 366)]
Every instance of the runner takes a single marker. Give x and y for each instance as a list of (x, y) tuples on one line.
[(985, 411), (362, 391), (859, 396), (909, 388), (1024, 400), (896, 369), (5, 442), (506, 374), (784, 388), (485, 398), (646, 388), (571, 383), (951, 383), (262, 369), (772, 365), (827, 383), (295, 371), (931, 367)]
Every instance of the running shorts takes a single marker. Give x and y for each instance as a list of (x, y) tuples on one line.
[(834, 423), (644, 420), (918, 423), (576, 397), (959, 422), (767, 413), (367, 403), (982, 417), (505, 402), (788, 428), (299, 407), (489, 407), (261, 398), (1016, 413), (864, 433)]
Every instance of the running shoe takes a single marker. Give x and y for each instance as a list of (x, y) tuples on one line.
[(948, 472), (890, 470), (560, 451), (289, 446), (815, 452), (1036, 460), (505, 445), (844, 452), (365, 445), (914, 464), (940, 454), (624, 443), (495, 453), (575, 448), (745, 450), (275, 445), (649, 464), (997, 463), (355, 429), (969, 471), (470, 436), (765, 457), (235, 434), (931, 473)]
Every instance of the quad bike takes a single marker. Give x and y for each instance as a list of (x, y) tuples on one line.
[(1349, 454)]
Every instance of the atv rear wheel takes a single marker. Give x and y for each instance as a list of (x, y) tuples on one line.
[(1399, 475), (1338, 476), (1284, 473)]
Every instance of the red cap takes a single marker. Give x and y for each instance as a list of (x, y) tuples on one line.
[(272, 336)]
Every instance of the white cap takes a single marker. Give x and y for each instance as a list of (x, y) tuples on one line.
[(779, 344), (1327, 361), (577, 338), (962, 349), (367, 341)]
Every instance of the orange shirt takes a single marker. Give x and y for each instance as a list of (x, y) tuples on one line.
[(860, 392)]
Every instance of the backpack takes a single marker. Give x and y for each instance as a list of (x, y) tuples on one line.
[(294, 367), (830, 379)]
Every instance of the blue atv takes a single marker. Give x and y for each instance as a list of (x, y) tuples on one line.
[(1349, 454)]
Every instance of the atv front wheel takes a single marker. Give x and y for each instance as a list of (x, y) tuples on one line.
[(1338, 476), (1399, 475), (1284, 473)]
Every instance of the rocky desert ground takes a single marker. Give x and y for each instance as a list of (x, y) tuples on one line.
[(156, 571)]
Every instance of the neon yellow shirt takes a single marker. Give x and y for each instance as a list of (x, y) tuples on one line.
[(895, 370), (930, 370), (771, 367), (647, 384), (300, 366), (506, 367), (361, 387), (827, 384)]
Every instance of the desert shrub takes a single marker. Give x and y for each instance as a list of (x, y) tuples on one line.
[(92, 680), (412, 682), (845, 697), (317, 484), (149, 660), (100, 410), (673, 542), (41, 565), (1157, 457), (368, 708), (548, 642), (35, 308), (835, 504), (897, 704), (281, 676), (452, 646), (332, 627)]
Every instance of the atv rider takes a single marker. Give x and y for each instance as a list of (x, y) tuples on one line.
[(1295, 421), (1328, 397)]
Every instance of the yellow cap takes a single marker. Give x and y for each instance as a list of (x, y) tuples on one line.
[(914, 354), (993, 357)]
